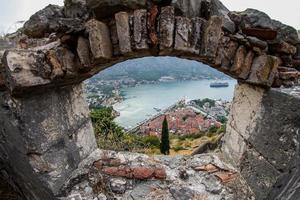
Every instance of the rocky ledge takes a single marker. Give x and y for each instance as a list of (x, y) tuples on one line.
[(124, 175)]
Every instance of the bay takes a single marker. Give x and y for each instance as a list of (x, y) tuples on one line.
[(140, 101)]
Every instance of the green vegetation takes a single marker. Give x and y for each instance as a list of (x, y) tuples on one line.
[(201, 103), (110, 136), (191, 136), (165, 142)]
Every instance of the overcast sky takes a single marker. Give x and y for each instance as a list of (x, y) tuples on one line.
[(287, 11)]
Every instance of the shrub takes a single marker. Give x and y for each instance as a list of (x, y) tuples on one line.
[(178, 148), (151, 141)]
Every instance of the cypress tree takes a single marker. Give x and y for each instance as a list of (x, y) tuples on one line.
[(165, 143)]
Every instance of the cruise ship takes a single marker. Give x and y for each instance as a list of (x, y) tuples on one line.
[(219, 84)]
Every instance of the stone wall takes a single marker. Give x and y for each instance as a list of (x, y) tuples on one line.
[(43, 139), (262, 139), (45, 130), (64, 46)]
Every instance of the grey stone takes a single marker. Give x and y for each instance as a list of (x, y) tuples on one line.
[(166, 29), (141, 191), (51, 19), (99, 38), (212, 35), (52, 145), (257, 42), (83, 51), (123, 30), (188, 34), (107, 8), (252, 18), (75, 9), (226, 53), (24, 69), (182, 193), (118, 186), (140, 29)]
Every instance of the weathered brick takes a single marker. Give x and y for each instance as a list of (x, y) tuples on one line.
[(99, 38), (143, 173), (123, 30), (166, 29)]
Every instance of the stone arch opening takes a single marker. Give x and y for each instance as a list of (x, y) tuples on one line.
[(54, 147), (142, 91)]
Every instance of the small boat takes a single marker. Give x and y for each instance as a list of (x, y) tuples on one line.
[(219, 84), (157, 109)]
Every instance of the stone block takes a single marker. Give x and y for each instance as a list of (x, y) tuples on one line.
[(188, 34), (166, 29), (259, 174), (83, 51), (211, 37), (239, 60), (123, 30), (283, 48), (25, 69), (226, 52), (140, 33), (100, 42), (182, 32), (263, 70), (245, 71)]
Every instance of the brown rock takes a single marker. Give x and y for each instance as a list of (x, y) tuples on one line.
[(263, 70), (166, 29), (283, 47), (226, 53), (2, 82), (261, 33), (225, 177), (123, 30), (100, 41), (290, 75), (286, 69), (210, 168), (160, 173), (68, 61), (140, 33), (239, 60), (143, 173), (211, 37), (245, 71), (118, 171), (98, 164), (57, 70), (151, 25), (83, 51)]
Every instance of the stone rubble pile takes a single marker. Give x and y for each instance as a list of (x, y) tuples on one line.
[(124, 175)]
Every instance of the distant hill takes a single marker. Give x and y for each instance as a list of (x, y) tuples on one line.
[(153, 68)]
